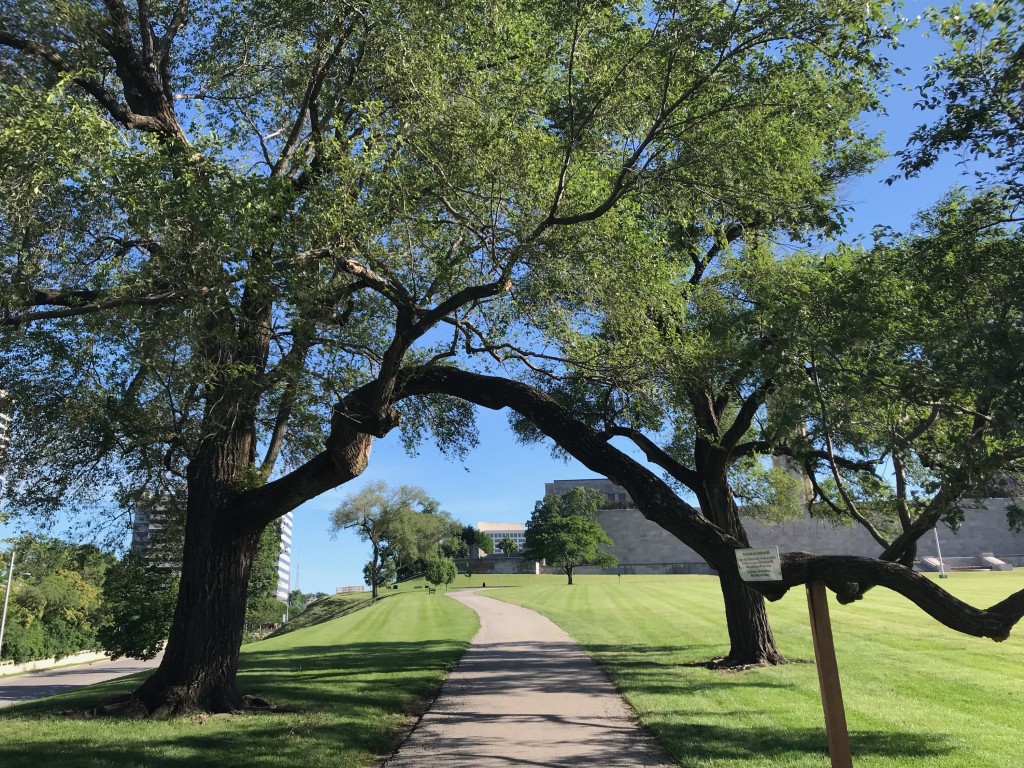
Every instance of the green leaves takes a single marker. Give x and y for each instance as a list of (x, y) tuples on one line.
[(562, 530), (974, 91)]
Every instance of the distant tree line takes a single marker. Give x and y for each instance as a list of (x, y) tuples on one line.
[(67, 597), (56, 605)]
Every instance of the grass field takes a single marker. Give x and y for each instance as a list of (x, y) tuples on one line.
[(351, 681), (916, 694)]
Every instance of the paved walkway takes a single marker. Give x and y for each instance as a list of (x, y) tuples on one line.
[(525, 695), (36, 685)]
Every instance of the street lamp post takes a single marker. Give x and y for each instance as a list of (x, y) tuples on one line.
[(942, 567), (5, 422), (7, 597)]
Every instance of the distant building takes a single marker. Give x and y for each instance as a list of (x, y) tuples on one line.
[(615, 496), (154, 538), (644, 546), (284, 559), (5, 425), (499, 531)]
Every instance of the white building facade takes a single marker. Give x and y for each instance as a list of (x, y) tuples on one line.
[(499, 531), (284, 559)]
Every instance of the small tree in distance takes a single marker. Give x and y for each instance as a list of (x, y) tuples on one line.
[(508, 546), (386, 518), (477, 540), (441, 570), (563, 531)]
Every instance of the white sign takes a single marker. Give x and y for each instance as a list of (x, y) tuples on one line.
[(759, 564)]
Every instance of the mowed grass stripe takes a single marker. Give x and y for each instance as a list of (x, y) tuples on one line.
[(351, 683), (916, 693)]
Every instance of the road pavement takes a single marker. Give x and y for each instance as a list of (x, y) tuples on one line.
[(36, 685), (525, 694)]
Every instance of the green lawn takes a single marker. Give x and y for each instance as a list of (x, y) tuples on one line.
[(916, 693), (351, 681)]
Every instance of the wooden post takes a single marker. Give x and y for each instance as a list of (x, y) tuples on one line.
[(828, 677)]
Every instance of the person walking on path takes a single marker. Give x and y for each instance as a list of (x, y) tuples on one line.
[(525, 694)]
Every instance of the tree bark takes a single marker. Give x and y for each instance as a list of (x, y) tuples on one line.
[(201, 659), (751, 641)]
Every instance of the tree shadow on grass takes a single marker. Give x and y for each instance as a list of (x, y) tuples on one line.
[(267, 741), (692, 742), (670, 671), (347, 703)]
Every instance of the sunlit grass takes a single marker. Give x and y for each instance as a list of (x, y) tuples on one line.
[(916, 693), (351, 684)]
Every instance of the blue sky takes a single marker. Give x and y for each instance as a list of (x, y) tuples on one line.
[(501, 480)]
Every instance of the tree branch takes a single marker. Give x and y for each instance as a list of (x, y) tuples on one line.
[(656, 455), (848, 576), (745, 416), (24, 318)]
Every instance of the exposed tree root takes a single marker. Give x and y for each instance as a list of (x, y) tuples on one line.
[(130, 707)]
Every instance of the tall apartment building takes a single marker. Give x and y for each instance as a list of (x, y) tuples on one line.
[(157, 536), (5, 425), (284, 559)]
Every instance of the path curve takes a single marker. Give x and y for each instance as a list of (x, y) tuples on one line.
[(525, 694)]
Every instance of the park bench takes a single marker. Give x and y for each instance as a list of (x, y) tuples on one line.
[(431, 590)]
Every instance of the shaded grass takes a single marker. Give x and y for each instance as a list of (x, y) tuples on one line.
[(352, 683), (916, 693)]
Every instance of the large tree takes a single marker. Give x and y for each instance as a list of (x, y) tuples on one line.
[(227, 229)]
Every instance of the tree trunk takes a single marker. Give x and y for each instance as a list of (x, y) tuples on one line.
[(751, 641), (224, 519), (201, 659), (568, 572), (199, 665), (374, 571)]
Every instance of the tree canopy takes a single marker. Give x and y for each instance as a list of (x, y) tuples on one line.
[(440, 570), (508, 546), (973, 89), (139, 600), (476, 540), (232, 228), (56, 602)]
